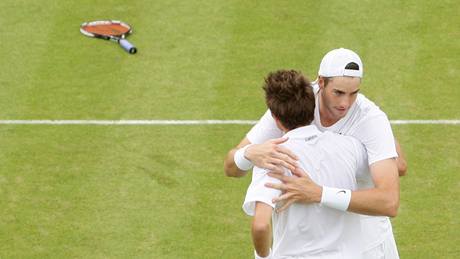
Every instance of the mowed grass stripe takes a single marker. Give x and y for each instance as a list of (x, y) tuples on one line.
[(148, 193), (25, 40), (160, 192), (265, 37), (138, 194), (79, 76), (428, 215)]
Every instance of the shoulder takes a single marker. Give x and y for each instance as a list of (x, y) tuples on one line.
[(342, 143), (373, 129), (368, 115), (367, 107)]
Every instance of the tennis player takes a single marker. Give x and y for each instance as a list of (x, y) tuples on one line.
[(306, 230), (341, 109)]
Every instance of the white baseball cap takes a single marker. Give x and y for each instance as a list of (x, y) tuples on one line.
[(335, 63)]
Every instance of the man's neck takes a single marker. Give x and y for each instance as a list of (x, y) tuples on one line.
[(326, 118), (286, 130)]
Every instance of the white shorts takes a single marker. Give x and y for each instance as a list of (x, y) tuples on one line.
[(385, 250)]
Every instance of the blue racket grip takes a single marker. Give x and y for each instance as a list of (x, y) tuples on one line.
[(127, 46)]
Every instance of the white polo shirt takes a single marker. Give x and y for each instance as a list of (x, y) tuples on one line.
[(365, 122), (315, 231)]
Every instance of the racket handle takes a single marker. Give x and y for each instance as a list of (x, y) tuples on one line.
[(127, 46)]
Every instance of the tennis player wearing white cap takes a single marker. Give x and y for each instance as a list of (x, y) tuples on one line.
[(306, 230), (341, 109)]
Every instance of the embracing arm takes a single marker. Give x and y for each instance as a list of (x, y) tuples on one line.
[(383, 200), (264, 152), (268, 155)]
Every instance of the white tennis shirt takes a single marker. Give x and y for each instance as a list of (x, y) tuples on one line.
[(315, 231), (365, 122)]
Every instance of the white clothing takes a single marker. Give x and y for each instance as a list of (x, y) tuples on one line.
[(364, 121), (385, 250), (313, 230), (367, 123)]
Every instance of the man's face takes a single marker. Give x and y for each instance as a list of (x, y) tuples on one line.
[(338, 96)]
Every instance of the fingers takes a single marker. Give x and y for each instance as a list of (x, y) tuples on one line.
[(287, 153), (299, 172), (274, 168), (280, 187), (284, 157), (270, 154), (279, 140), (277, 170), (283, 163), (285, 206), (285, 196), (283, 160)]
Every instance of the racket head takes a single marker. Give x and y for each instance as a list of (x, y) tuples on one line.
[(106, 29)]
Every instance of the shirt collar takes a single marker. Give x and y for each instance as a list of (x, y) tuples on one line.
[(337, 126), (303, 132)]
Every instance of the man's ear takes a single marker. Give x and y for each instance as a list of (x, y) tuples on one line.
[(279, 124), (321, 82)]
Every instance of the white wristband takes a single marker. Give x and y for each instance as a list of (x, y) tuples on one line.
[(256, 256), (336, 198), (240, 160)]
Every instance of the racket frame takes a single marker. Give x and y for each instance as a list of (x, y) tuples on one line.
[(126, 45)]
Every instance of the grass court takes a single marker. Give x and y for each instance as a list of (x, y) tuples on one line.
[(86, 191)]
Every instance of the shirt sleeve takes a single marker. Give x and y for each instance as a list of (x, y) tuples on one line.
[(377, 137), (264, 130), (257, 192)]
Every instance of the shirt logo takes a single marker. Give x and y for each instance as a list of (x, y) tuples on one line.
[(344, 192)]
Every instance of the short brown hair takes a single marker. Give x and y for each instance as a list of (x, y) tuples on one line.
[(290, 98)]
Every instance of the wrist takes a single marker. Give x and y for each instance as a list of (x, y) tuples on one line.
[(335, 198), (319, 194), (240, 159)]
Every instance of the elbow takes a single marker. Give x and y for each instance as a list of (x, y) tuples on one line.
[(230, 168), (227, 170), (260, 228), (402, 170), (232, 171), (402, 167), (393, 212), (392, 208)]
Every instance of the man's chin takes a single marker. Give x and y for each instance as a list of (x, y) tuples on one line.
[(341, 113)]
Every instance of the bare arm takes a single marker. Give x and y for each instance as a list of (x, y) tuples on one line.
[(268, 155), (261, 229), (401, 160), (382, 200)]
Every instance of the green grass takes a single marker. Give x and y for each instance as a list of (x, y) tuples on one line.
[(118, 192), (428, 223), (159, 191)]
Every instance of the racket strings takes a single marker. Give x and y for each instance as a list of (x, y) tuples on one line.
[(107, 29)]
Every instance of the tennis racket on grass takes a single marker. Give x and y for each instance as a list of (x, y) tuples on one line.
[(109, 30)]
